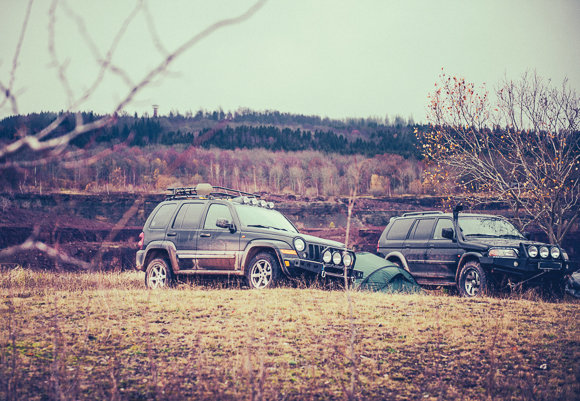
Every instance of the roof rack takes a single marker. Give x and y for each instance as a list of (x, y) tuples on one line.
[(421, 213), (207, 191)]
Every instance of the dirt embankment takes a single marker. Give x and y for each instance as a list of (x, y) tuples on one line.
[(107, 227)]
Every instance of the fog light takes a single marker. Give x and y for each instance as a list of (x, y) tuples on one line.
[(336, 258), (555, 252), (516, 264), (327, 257), (544, 252)]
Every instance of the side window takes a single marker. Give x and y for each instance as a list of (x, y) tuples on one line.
[(162, 216), (423, 229), (193, 216), (441, 224), (215, 212), (188, 216), (399, 229)]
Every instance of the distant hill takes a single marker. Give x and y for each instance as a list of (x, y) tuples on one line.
[(244, 129)]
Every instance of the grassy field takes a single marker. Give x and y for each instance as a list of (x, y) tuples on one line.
[(103, 336)]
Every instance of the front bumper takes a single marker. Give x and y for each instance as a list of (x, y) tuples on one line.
[(526, 267), (322, 268)]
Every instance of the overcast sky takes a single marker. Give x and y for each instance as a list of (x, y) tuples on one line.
[(334, 59)]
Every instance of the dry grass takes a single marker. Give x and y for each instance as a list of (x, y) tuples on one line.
[(103, 336)]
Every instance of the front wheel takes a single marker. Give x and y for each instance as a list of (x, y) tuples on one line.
[(158, 274), (473, 280), (263, 271)]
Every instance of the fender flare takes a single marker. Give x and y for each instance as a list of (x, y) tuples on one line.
[(399, 256), (274, 245), (463, 260), (166, 246)]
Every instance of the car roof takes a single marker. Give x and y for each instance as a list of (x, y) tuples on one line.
[(413, 215)]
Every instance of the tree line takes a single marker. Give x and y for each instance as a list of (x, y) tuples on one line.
[(244, 129)]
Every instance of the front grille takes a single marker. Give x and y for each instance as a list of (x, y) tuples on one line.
[(315, 252)]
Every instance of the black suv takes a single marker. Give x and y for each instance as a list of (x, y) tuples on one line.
[(471, 251), (219, 231)]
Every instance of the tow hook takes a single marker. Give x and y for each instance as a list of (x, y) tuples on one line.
[(323, 272)]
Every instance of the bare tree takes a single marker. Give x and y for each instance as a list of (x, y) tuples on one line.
[(31, 149), (522, 148)]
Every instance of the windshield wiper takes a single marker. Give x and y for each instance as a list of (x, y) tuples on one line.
[(511, 236), (481, 235), (259, 226)]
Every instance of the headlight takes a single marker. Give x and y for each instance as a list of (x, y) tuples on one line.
[(533, 251), (263, 203), (271, 205), (299, 244), (544, 252), (347, 259), (327, 257), (555, 252), (336, 258), (503, 253)]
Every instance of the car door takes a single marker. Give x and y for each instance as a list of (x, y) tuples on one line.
[(184, 233), (218, 248), (444, 254), (415, 247)]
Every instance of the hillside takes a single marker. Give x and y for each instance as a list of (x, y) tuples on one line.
[(247, 129)]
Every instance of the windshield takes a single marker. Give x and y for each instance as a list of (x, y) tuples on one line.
[(488, 227), (253, 216)]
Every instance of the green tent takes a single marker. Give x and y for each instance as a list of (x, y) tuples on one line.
[(384, 276)]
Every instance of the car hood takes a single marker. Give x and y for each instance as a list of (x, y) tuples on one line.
[(502, 242), (321, 241), (289, 237)]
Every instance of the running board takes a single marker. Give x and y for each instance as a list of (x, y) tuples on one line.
[(425, 281), (212, 272)]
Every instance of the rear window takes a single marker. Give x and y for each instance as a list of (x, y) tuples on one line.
[(399, 229), (162, 216)]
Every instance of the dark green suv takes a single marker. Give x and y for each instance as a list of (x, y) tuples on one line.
[(471, 251), (209, 230)]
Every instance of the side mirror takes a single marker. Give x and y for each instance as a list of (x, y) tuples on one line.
[(222, 223), (527, 235), (447, 233)]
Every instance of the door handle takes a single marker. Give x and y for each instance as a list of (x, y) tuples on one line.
[(171, 234), (205, 235)]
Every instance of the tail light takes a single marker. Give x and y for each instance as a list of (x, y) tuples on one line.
[(141, 240), (378, 242)]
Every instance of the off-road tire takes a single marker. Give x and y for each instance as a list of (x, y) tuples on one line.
[(263, 271), (158, 274), (473, 280)]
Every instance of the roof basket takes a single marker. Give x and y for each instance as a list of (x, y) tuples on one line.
[(421, 213), (207, 191)]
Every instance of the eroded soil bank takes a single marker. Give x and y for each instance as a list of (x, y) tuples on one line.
[(105, 227)]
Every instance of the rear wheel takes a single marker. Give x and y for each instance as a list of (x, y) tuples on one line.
[(263, 271), (158, 274), (473, 280)]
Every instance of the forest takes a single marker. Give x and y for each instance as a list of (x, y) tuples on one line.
[(254, 151)]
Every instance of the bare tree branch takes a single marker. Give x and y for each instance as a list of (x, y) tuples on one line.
[(524, 150)]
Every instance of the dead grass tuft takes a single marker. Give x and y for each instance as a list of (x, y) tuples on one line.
[(103, 336)]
